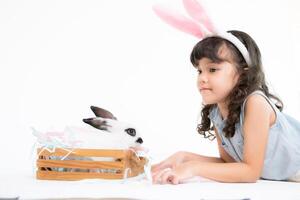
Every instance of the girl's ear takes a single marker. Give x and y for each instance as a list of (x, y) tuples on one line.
[(100, 112)]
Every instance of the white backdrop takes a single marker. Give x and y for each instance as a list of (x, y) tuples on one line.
[(59, 57)]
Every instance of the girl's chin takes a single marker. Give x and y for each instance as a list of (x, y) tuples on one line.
[(206, 104), (208, 101)]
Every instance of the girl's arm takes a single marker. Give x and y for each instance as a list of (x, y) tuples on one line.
[(183, 156), (188, 156), (224, 156), (258, 117)]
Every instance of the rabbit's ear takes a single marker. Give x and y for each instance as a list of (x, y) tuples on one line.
[(97, 123), (197, 12), (100, 112), (179, 21)]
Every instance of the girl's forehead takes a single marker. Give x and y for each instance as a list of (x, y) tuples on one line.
[(206, 63), (203, 62), (223, 54)]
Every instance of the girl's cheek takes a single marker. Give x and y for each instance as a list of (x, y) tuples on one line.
[(198, 83)]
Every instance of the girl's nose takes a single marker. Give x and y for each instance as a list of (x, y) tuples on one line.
[(202, 78)]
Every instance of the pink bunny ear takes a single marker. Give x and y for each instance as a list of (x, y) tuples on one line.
[(197, 12), (179, 21)]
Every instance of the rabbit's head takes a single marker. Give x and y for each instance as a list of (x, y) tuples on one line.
[(107, 122)]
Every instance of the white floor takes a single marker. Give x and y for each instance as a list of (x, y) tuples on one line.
[(25, 186)]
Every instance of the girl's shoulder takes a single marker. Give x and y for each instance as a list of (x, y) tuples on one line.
[(258, 102), (258, 97)]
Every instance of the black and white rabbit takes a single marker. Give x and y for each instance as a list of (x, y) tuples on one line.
[(126, 134)]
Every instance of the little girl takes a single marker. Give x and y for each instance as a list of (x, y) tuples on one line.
[(255, 139)]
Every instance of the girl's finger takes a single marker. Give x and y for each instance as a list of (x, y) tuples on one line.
[(167, 177), (157, 177), (159, 167), (175, 180), (156, 167)]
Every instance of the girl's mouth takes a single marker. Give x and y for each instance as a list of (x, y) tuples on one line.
[(204, 89)]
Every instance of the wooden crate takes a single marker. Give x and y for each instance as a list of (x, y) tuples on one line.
[(88, 169)]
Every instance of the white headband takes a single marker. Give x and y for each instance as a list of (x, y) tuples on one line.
[(238, 44)]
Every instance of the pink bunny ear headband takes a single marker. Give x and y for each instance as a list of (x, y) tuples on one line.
[(200, 25)]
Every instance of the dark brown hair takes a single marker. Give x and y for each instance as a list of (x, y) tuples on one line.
[(251, 78)]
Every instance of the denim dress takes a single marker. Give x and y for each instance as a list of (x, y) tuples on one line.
[(282, 156)]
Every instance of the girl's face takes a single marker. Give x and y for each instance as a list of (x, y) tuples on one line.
[(216, 80)]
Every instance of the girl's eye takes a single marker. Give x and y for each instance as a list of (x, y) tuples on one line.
[(212, 70), (199, 71)]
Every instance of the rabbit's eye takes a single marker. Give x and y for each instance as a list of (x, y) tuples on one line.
[(131, 131)]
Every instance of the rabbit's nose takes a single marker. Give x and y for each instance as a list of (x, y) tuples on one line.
[(139, 140)]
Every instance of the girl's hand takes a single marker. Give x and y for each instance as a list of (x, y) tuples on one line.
[(173, 176), (170, 163)]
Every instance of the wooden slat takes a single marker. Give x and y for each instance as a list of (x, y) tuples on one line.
[(73, 176), (85, 152), (80, 164), (127, 160)]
